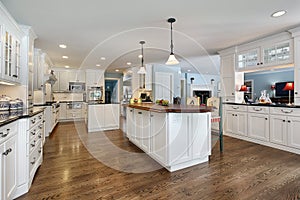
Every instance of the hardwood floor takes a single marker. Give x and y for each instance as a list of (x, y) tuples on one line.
[(244, 171)]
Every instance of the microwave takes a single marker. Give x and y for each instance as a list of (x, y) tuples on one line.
[(76, 86)]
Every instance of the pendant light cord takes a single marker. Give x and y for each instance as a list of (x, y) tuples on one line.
[(142, 55), (172, 39)]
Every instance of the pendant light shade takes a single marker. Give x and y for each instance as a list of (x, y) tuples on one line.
[(172, 59), (142, 69)]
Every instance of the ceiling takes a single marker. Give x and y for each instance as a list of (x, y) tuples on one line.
[(112, 29)]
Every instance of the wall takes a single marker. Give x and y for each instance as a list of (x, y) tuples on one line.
[(202, 79), (168, 69), (264, 80)]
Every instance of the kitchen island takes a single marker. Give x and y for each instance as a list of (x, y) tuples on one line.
[(176, 136), (101, 117)]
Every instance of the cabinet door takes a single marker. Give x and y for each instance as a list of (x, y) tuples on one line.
[(281, 53), (145, 134), (293, 132), (159, 137), (229, 119), (278, 129), (138, 126), (112, 115), (64, 78), (2, 150), (130, 121), (258, 126), (227, 65), (249, 58), (240, 123), (228, 86), (63, 111), (10, 168)]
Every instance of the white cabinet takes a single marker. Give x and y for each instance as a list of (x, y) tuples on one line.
[(278, 129), (63, 111), (296, 35), (285, 126), (172, 139), (142, 129), (236, 119), (276, 50), (227, 77), (149, 77), (258, 123), (8, 160), (130, 123), (64, 78), (159, 136), (103, 117), (94, 78)]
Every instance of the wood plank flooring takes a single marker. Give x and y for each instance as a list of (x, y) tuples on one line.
[(244, 171)]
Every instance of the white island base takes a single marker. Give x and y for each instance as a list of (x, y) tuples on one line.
[(175, 140)]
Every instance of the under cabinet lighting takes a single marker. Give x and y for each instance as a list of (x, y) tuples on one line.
[(98, 65), (65, 57), (128, 63), (67, 66), (117, 70), (278, 13), (103, 58)]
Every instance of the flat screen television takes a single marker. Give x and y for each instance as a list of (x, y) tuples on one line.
[(279, 92)]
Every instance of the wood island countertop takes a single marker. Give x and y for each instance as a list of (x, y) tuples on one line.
[(172, 108)]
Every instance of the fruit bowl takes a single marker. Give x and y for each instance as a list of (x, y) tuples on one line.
[(162, 102)]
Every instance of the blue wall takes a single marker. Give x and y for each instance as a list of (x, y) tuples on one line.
[(263, 81)]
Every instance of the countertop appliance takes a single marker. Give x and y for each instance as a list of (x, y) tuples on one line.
[(95, 93)]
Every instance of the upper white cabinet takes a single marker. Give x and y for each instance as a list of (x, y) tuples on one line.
[(269, 52), (296, 35), (94, 78), (64, 76)]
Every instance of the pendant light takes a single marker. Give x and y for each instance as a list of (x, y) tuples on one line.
[(142, 69), (172, 60)]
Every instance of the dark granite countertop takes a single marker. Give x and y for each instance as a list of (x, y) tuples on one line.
[(263, 104), (12, 115)]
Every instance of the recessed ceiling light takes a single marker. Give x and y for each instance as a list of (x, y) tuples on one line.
[(65, 57), (278, 13), (98, 65), (117, 70), (63, 46), (128, 63), (67, 66), (140, 56), (188, 70), (103, 58)]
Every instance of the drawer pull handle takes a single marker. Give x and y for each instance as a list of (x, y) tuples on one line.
[(40, 117), (40, 151), (33, 132), (266, 118), (140, 113), (40, 136), (40, 126), (286, 111), (33, 161), (33, 121), (283, 120), (289, 121), (33, 145), (235, 107), (257, 109), (7, 152), (232, 114)]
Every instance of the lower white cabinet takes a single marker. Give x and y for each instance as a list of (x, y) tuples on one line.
[(293, 132), (159, 136), (258, 126), (175, 140), (103, 117), (8, 161), (236, 122), (29, 150)]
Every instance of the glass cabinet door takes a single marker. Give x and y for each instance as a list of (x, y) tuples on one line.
[(17, 60), (277, 54), (248, 59)]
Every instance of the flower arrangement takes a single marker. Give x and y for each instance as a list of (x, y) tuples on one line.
[(162, 102)]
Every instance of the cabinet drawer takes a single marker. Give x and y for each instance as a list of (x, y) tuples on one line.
[(34, 156), (8, 131), (258, 109), (33, 144), (35, 119), (236, 107), (74, 114), (285, 111)]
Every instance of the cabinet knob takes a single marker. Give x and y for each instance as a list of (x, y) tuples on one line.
[(140, 113), (261, 63), (266, 118), (283, 120), (289, 121), (232, 114), (257, 63), (296, 92)]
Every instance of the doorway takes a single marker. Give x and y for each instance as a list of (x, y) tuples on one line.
[(112, 91)]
